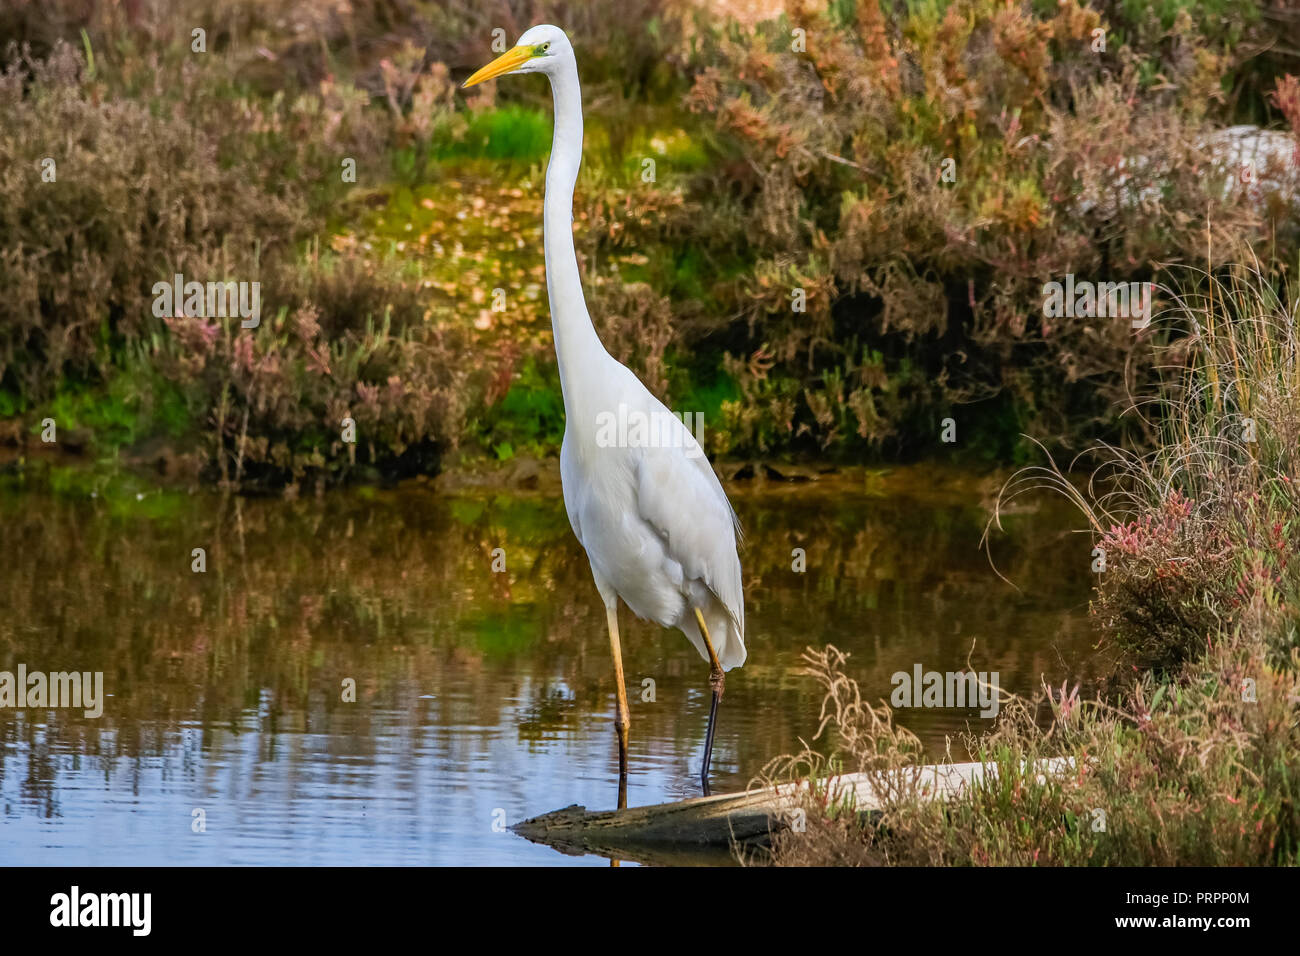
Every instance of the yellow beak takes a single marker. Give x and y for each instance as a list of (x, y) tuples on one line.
[(507, 62)]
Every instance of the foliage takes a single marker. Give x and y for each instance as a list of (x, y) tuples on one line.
[(774, 170), (1189, 752), (924, 292)]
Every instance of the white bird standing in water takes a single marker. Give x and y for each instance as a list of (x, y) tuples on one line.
[(657, 527)]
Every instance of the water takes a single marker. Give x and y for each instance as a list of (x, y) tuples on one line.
[(481, 698)]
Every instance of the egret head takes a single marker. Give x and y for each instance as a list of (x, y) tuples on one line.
[(542, 49)]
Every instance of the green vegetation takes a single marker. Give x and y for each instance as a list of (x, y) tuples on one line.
[(729, 171), (827, 232), (530, 417), (1190, 748), (512, 132)]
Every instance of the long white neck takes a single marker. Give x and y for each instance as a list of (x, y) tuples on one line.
[(576, 344)]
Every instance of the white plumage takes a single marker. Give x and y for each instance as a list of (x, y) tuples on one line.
[(655, 523), (657, 527)]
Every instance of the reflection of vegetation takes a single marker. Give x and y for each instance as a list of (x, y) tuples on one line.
[(396, 589), (549, 711), (505, 632), (465, 510)]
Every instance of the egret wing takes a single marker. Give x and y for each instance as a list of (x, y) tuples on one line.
[(681, 498)]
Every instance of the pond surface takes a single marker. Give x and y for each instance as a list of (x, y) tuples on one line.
[(481, 698)]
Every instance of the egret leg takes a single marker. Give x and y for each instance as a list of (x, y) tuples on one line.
[(621, 720), (716, 680)]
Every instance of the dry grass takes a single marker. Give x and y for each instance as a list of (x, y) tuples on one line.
[(1189, 753)]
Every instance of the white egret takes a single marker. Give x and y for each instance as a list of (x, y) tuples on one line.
[(651, 514)]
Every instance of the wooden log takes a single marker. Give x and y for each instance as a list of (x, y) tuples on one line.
[(705, 829)]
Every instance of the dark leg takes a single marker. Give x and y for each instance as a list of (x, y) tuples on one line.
[(708, 744), (716, 681)]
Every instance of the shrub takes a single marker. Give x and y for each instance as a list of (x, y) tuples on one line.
[(925, 293), (1188, 751)]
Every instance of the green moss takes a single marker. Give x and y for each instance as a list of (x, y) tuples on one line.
[(135, 404), (11, 403), (1226, 15), (703, 391), (510, 133), (531, 416)]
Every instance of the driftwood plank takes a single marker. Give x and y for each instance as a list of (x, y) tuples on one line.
[(703, 829)]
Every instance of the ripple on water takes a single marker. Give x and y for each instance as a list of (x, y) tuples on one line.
[(480, 699)]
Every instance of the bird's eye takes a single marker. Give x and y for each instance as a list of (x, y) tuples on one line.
[(545, 47)]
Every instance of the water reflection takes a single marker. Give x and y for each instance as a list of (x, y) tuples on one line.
[(481, 698)]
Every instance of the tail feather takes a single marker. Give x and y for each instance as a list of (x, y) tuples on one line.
[(726, 638)]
